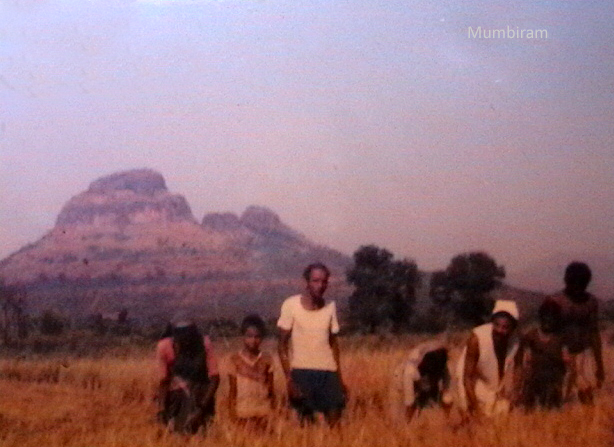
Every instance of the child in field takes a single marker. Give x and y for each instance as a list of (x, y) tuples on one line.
[(543, 359), (421, 381), (250, 374), (188, 377)]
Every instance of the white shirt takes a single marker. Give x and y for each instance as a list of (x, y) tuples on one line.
[(310, 334), (489, 389)]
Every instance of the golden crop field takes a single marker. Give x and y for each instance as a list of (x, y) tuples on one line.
[(107, 401)]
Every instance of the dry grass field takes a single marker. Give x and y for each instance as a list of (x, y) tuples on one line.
[(106, 401)]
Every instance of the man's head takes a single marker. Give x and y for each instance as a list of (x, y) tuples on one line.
[(577, 277), (504, 320), (316, 276)]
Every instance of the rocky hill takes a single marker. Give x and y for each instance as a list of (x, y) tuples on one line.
[(128, 242)]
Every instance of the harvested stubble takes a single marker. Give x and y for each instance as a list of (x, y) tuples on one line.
[(106, 402)]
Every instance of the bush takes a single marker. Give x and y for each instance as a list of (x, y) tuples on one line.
[(51, 323)]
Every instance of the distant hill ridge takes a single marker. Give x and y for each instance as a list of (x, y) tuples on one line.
[(128, 242), (547, 274)]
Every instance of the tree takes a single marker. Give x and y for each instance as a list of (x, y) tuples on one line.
[(472, 276), (439, 290), (51, 323), (13, 318), (384, 288)]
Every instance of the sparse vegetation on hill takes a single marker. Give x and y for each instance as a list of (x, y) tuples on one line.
[(128, 242)]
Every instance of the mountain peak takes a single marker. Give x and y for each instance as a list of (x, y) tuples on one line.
[(261, 219), (140, 181), (135, 196), (221, 221)]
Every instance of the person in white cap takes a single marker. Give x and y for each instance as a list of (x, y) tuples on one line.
[(485, 369)]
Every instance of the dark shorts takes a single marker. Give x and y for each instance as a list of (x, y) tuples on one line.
[(321, 391)]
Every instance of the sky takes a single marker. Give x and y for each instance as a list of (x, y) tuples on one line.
[(358, 122)]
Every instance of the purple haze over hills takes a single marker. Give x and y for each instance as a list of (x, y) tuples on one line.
[(371, 122)]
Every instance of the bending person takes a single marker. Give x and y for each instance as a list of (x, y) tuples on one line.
[(188, 378), (421, 381)]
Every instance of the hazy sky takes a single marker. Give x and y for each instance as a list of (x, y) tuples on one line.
[(357, 121)]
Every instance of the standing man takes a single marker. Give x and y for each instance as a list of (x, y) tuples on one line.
[(310, 326), (486, 366), (580, 330)]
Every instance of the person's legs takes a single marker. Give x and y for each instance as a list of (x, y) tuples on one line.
[(329, 396), (177, 410), (304, 404), (333, 416), (553, 397), (170, 407), (199, 415), (305, 413), (585, 376)]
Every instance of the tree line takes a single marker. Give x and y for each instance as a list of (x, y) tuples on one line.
[(384, 296), (385, 289)]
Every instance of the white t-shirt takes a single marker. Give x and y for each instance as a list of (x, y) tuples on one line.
[(310, 334)]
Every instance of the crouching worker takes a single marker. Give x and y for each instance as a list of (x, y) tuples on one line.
[(188, 378), (423, 380), (485, 369)]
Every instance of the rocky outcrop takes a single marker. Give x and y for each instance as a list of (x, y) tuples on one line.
[(127, 241), (265, 222), (262, 220), (131, 197), (259, 224), (140, 181), (221, 222)]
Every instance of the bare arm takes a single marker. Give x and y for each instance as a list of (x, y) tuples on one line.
[(164, 378), (212, 368), (570, 364), (409, 412), (595, 342), (214, 382), (271, 387), (519, 357), (470, 373), (596, 346), (334, 344), (232, 396), (283, 349), (520, 369)]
